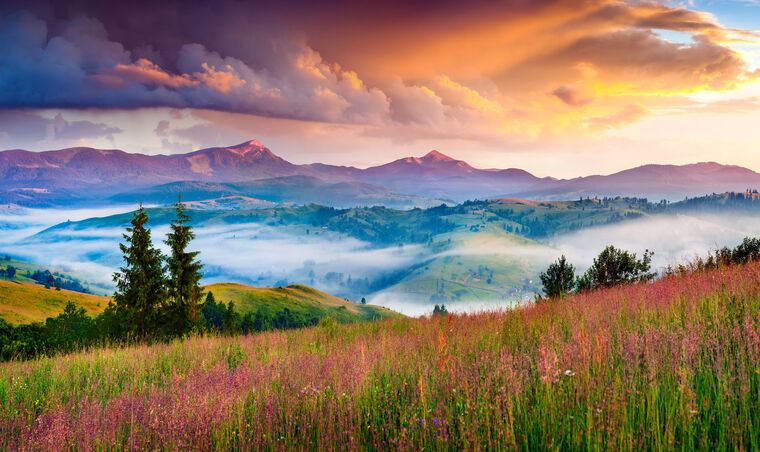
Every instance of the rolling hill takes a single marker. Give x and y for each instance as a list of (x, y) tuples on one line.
[(471, 251), (297, 298), (22, 302)]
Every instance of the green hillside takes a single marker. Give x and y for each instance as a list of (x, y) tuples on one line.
[(23, 302), (299, 299), (486, 265), (385, 226)]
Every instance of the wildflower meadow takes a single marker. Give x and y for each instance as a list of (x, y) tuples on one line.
[(673, 364)]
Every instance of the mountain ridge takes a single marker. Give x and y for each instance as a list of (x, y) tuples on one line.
[(57, 176)]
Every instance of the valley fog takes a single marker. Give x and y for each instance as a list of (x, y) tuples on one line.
[(263, 255), (248, 253)]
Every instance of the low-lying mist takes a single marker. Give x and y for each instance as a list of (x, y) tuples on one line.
[(673, 238), (249, 253), (419, 305), (265, 255)]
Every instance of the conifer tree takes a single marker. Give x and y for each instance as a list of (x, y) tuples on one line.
[(184, 292), (140, 283)]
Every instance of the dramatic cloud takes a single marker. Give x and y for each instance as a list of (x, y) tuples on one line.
[(415, 104), (80, 67), (23, 125), (267, 60)]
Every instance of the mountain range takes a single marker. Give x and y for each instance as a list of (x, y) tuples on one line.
[(251, 170)]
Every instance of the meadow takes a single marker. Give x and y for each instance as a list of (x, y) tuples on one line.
[(673, 364)]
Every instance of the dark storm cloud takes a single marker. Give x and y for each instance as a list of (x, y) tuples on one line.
[(162, 127), (29, 126)]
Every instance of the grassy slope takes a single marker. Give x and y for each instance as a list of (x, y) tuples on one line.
[(487, 265), (666, 366), (297, 298), (23, 302)]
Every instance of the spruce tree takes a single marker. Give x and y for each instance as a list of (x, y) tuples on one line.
[(184, 292), (140, 283)]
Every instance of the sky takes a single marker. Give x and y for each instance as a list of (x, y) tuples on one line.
[(557, 87)]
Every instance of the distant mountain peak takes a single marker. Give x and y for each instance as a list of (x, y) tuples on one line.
[(435, 156), (249, 147)]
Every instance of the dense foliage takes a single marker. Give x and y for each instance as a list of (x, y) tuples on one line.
[(43, 277), (614, 267), (747, 251), (559, 279), (218, 317), (8, 272)]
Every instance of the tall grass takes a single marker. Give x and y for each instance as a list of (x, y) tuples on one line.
[(669, 365)]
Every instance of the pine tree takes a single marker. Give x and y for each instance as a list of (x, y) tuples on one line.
[(140, 284), (184, 292)]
